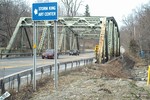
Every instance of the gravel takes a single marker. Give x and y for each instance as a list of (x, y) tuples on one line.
[(116, 80), (109, 81)]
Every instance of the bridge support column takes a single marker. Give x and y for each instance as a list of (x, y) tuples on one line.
[(70, 41), (64, 44), (115, 41), (75, 44), (11, 42), (110, 32), (61, 38), (43, 35), (48, 37)]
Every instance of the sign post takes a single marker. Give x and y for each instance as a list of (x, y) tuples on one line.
[(34, 56), (45, 11), (55, 46)]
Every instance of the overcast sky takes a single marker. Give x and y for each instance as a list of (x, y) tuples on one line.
[(116, 8)]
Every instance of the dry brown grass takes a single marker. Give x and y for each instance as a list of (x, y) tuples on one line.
[(114, 69)]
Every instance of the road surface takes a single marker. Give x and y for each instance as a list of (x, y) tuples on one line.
[(12, 65)]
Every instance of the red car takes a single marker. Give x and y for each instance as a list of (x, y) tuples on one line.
[(49, 54)]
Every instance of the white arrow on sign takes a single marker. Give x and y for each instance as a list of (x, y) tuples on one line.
[(35, 11)]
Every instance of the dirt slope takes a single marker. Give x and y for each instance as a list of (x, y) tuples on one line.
[(110, 81)]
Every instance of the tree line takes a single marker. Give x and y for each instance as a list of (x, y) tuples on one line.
[(135, 34), (12, 10)]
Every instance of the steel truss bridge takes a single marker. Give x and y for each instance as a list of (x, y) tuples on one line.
[(70, 30)]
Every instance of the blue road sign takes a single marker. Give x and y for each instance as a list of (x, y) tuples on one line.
[(44, 11)]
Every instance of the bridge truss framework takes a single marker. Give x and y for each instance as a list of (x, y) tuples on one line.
[(70, 30)]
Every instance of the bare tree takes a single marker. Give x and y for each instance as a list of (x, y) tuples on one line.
[(129, 21), (11, 11), (143, 26), (72, 6), (137, 25)]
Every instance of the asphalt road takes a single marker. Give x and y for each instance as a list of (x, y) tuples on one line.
[(12, 65)]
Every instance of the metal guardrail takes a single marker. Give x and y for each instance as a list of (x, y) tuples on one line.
[(15, 81), (15, 53)]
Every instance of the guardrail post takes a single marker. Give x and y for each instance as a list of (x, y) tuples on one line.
[(76, 63), (50, 70), (2, 86), (12, 83), (31, 76), (9, 83), (58, 68), (92, 60), (84, 62), (1, 54), (19, 81), (71, 64), (42, 71), (79, 62), (65, 67), (87, 62), (27, 80)]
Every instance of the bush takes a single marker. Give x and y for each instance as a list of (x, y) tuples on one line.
[(133, 47)]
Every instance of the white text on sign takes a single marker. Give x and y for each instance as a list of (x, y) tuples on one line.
[(47, 14), (47, 8)]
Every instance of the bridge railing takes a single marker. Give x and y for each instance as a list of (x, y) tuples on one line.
[(15, 53), (24, 78)]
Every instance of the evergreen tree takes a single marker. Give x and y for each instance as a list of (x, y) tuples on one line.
[(87, 13)]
